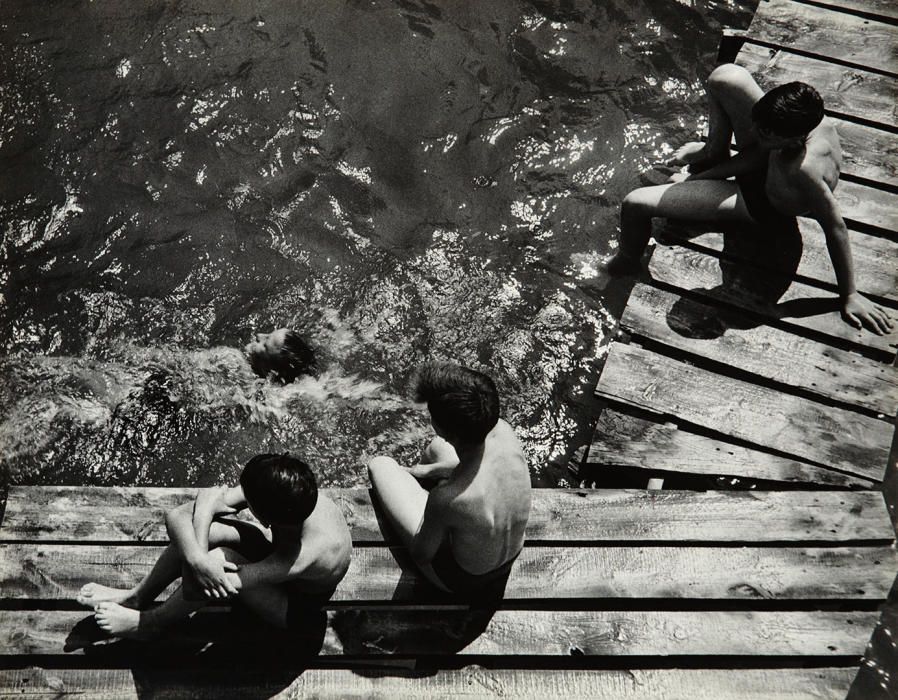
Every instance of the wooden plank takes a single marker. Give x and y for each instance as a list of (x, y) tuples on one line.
[(553, 633), (822, 32), (768, 352), (879, 9), (470, 682), (849, 91), (569, 515), (54, 572), (794, 304), (622, 440), (875, 273), (792, 425), (868, 153), (861, 204)]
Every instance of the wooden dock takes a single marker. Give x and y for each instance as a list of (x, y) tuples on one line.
[(758, 572)]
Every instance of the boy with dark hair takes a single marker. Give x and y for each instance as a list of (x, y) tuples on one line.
[(464, 534), (290, 561), (282, 355), (788, 166)]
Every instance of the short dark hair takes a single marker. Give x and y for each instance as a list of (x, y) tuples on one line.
[(793, 109), (295, 359), (280, 488), (462, 402)]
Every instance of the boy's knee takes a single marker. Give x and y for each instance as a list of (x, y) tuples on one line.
[(727, 76), (638, 203), (379, 465)]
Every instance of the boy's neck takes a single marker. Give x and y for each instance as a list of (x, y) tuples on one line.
[(468, 454)]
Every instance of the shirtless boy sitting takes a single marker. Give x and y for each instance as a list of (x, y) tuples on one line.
[(466, 532), (788, 166), (279, 569)]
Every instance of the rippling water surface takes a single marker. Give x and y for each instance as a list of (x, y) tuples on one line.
[(399, 180)]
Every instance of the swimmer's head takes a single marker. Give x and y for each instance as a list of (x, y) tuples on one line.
[(787, 114), (279, 489), (282, 354), (463, 404)]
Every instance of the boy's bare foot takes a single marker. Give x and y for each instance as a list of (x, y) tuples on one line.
[(119, 621), (622, 265), (92, 594)]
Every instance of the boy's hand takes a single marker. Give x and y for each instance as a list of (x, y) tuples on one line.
[(859, 312), (211, 576)]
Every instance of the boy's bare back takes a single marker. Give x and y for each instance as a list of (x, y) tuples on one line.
[(487, 504)]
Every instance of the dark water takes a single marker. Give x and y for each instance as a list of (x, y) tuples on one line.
[(399, 180)]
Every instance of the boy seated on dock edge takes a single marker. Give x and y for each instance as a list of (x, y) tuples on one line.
[(466, 532), (788, 166), (279, 568)]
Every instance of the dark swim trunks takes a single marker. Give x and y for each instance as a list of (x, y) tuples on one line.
[(304, 607), (753, 186), (486, 586)]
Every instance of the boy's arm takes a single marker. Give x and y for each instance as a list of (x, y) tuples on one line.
[(743, 162), (182, 525), (211, 503), (857, 311), (434, 470)]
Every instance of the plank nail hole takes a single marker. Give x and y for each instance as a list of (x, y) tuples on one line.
[(860, 591), (876, 562), (575, 651), (831, 647), (850, 622)]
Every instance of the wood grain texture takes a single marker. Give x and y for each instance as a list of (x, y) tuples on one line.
[(576, 515), (876, 273), (884, 9), (622, 440), (762, 350), (867, 205), (553, 633), (822, 32), (849, 91), (792, 303), (868, 152), (469, 682), (53, 572), (789, 424)]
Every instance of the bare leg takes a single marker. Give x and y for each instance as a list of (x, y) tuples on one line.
[(732, 92), (166, 569), (244, 536), (695, 200), (403, 500)]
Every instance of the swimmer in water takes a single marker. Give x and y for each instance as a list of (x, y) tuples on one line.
[(282, 355)]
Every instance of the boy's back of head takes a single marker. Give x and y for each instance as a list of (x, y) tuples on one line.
[(793, 109), (462, 402), (280, 489)]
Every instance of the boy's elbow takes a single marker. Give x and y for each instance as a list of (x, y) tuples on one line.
[(177, 514)]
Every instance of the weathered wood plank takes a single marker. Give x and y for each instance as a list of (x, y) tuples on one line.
[(571, 515), (793, 303), (627, 441), (378, 632), (762, 350), (868, 153), (867, 205), (876, 273), (825, 435), (470, 682), (826, 33), (849, 91), (879, 9), (52, 572)]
